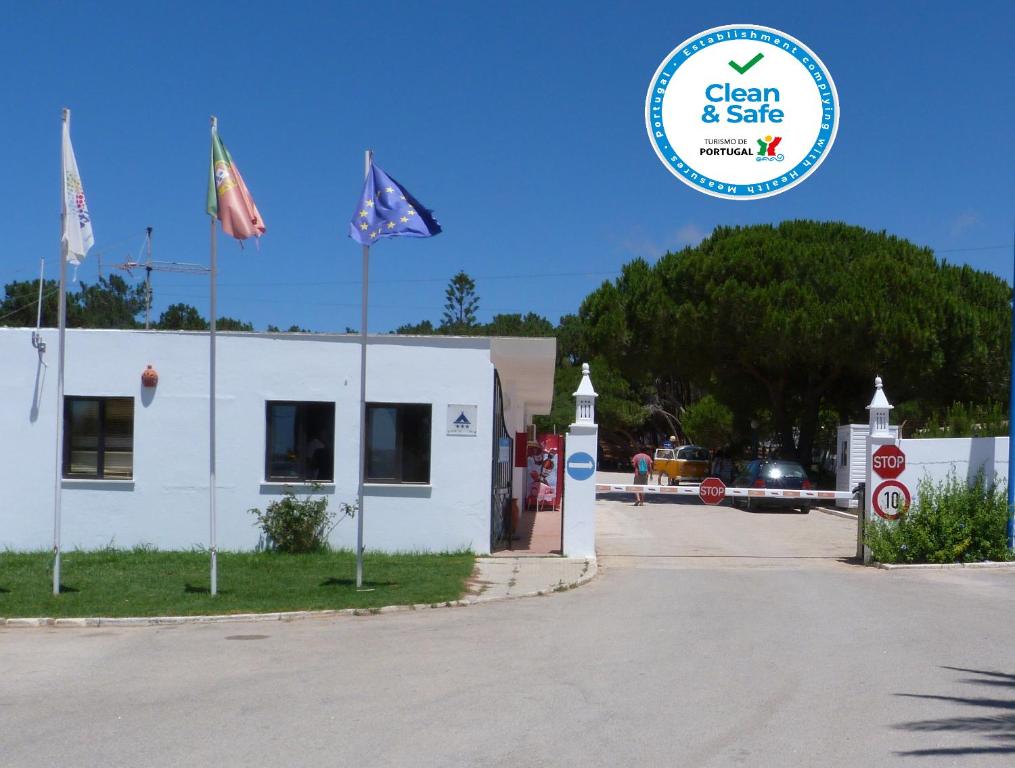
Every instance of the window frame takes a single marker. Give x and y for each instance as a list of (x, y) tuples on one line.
[(302, 439), (100, 439), (400, 409)]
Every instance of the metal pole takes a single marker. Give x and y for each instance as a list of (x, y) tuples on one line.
[(59, 428), (148, 282), (1011, 433), (62, 313), (861, 518), (211, 407), (362, 396), (42, 276)]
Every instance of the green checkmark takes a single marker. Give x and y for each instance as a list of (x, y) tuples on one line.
[(748, 65)]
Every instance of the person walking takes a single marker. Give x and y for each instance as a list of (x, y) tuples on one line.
[(642, 464)]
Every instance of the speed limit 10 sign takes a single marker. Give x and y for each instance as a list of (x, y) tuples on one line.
[(890, 499)]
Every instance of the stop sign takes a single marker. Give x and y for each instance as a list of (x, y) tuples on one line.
[(888, 462), (712, 490)]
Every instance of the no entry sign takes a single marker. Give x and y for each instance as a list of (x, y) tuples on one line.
[(712, 490), (888, 462), (890, 499)]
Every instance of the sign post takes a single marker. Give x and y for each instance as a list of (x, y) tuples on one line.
[(883, 455), (578, 538)]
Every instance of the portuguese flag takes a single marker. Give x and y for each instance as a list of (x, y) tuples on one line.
[(228, 198)]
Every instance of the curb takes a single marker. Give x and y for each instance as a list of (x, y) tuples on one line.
[(590, 572), (837, 513), (941, 566)]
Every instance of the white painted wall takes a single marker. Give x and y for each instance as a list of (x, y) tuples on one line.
[(166, 504), (935, 458)]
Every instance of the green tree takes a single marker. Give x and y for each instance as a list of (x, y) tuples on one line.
[(20, 304), (803, 314), (232, 324), (529, 325), (291, 329), (111, 303), (181, 317), (630, 323), (461, 303), (708, 422), (619, 411), (418, 329)]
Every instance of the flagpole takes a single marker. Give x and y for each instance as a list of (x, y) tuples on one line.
[(368, 157), (62, 323), (211, 402), (1011, 433)]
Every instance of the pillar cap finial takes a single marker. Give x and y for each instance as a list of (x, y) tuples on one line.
[(585, 386), (879, 400)]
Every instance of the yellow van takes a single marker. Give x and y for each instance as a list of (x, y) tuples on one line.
[(686, 464)]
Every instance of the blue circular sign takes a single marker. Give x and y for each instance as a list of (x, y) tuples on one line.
[(581, 466)]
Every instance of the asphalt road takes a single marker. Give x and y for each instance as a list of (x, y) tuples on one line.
[(712, 637)]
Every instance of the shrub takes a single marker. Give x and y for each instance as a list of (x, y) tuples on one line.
[(949, 522), (298, 525)]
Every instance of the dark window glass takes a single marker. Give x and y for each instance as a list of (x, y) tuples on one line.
[(693, 453), (382, 443), (398, 443), (98, 437), (300, 442)]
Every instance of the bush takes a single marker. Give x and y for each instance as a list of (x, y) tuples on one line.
[(951, 522), (298, 525)]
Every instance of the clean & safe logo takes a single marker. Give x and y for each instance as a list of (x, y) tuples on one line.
[(729, 102)]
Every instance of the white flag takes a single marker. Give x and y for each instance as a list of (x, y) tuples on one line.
[(77, 224)]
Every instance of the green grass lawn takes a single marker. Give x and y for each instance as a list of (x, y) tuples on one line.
[(151, 583)]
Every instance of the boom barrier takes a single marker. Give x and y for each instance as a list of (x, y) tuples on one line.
[(692, 490)]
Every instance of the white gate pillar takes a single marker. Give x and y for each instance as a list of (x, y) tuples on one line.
[(879, 435), (582, 449)]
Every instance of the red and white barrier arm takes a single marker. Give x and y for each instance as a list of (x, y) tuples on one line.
[(692, 490)]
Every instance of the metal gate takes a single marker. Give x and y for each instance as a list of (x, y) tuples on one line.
[(501, 464)]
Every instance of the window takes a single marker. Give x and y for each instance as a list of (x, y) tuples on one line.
[(98, 437), (300, 442), (693, 453), (398, 443)]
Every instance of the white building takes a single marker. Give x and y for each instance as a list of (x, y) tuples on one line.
[(851, 459), (135, 458)]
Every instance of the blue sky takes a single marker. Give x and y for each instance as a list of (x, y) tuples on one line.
[(521, 125)]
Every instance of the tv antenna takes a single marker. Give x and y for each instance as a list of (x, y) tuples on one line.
[(150, 266)]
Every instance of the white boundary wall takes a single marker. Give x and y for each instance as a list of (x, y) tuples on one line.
[(935, 458), (166, 504)]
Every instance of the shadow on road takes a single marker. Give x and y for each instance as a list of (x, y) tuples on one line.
[(998, 726)]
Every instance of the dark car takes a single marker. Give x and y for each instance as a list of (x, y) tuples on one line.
[(784, 475)]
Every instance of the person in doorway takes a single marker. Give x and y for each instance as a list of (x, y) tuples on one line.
[(642, 464)]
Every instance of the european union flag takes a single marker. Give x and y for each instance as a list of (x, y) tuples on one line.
[(386, 209)]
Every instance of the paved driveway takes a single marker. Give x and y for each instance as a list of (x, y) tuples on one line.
[(782, 658), (679, 531)]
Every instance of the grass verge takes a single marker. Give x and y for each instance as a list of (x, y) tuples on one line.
[(152, 583)]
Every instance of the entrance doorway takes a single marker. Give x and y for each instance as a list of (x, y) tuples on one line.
[(536, 521)]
